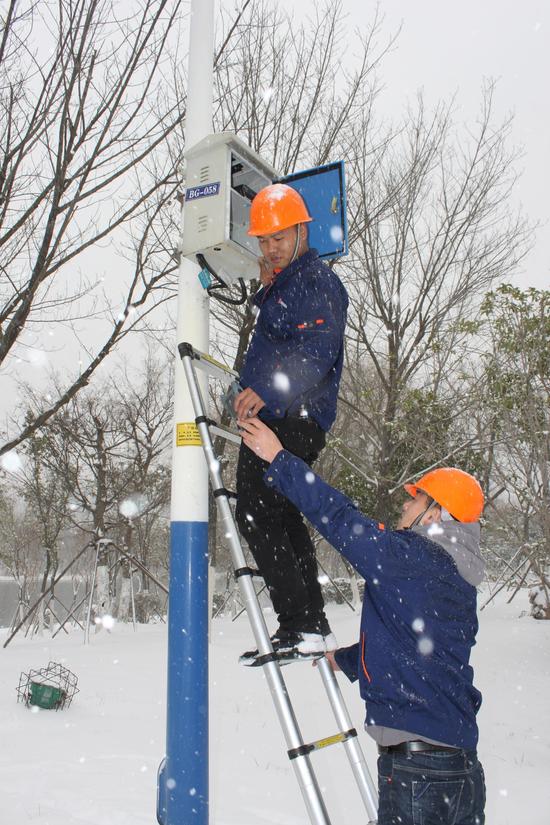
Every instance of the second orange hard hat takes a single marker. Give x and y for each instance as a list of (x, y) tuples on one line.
[(276, 207), (455, 490)]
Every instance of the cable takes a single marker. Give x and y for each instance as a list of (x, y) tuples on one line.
[(220, 284)]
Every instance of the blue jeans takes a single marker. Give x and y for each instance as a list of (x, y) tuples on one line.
[(431, 788)]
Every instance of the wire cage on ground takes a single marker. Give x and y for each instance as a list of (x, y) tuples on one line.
[(51, 688)]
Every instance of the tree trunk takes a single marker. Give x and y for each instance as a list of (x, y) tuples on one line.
[(124, 592)]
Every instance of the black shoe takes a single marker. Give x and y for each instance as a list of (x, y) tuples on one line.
[(282, 639), (289, 646)]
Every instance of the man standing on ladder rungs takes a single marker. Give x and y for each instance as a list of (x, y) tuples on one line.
[(418, 626), (290, 380)]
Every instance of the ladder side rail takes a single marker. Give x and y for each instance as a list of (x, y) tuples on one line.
[(354, 752), (307, 780)]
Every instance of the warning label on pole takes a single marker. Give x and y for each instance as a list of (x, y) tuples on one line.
[(187, 435)]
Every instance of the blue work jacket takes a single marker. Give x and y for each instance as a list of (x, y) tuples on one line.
[(418, 621), (294, 361)]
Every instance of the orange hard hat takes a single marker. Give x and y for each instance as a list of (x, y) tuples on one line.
[(458, 492), (276, 207)]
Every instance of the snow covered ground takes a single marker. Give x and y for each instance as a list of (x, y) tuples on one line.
[(96, 763)]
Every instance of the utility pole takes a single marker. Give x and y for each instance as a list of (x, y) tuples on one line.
[(183, 774)]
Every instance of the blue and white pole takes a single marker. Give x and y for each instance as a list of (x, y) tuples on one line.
[(183, 774)]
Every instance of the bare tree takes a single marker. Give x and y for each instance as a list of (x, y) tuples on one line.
[(89, 117), (46, 497), (146, 415), (432, 231)]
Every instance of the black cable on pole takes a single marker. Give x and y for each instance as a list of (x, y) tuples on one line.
[(220, 284)]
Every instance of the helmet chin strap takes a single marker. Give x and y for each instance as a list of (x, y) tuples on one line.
[(419, 518), (297, 244)]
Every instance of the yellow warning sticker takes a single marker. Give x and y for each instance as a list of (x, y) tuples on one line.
[(187, 435)]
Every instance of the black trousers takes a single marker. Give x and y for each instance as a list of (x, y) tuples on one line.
[(276, 533)]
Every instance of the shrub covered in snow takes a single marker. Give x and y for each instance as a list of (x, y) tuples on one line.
[(540, 604)]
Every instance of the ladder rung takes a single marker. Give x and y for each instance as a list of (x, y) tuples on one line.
[(225, 432), (207, 363), (322, 743)]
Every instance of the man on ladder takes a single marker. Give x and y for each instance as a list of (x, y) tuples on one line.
[(290, 379), (418, 626)]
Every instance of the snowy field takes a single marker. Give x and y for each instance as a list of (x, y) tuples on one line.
[(96, 763)]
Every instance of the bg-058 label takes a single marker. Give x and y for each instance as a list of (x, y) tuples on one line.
[(202, 191)]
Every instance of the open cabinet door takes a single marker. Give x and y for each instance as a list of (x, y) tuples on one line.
[(324, 191)]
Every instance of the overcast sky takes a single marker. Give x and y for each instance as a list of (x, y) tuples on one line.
[(448, 47)]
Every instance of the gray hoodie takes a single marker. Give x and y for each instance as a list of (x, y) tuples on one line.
[(461, 542)]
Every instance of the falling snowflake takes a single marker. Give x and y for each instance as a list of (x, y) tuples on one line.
[(267, 94), (37, 358), (133, 506), (281, 382), (106, 621), (425, 646), (10, 462)]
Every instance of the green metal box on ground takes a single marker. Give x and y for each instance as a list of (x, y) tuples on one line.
[(46, 696)]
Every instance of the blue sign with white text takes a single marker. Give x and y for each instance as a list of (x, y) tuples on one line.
[(202, 191)]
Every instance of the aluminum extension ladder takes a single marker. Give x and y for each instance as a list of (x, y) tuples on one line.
[(298, 751)]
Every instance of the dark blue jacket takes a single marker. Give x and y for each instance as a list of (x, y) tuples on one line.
[(296, 353), (418, 622)]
